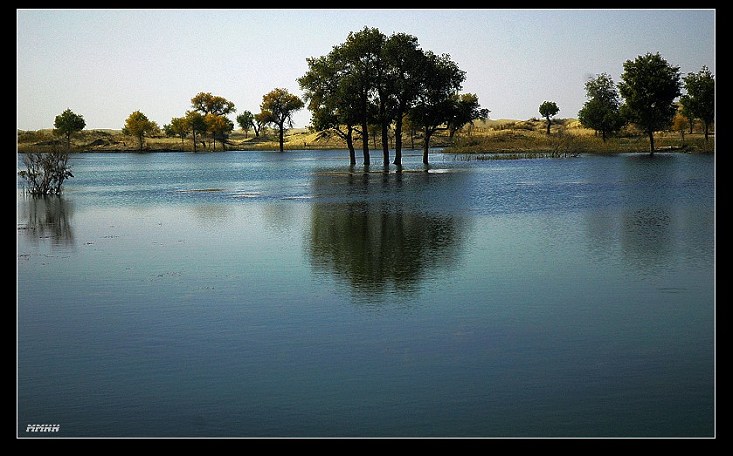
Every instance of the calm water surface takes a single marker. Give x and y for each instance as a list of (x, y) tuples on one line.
[(266, 294)]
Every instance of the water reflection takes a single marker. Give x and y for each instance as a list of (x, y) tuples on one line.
[(209, 215), (646, 239), (378, 236), (46, 218), (376, 246)]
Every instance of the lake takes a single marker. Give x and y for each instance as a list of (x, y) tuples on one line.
[(265, 294)]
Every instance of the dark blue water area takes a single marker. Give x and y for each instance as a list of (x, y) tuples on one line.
[(259, 294)]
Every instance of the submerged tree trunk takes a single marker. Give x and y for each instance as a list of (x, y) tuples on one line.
[(398, 141), (350, 145), (651, 143), (365, 141), (385, 142)]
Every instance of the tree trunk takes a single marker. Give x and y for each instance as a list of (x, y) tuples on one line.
[(194, 141), (651, 143), (365, 141), (350, 144), (398, 140), (603, 135), (706, 131), (141, 139), (385, 142), (68, 141), (426, 146), (282, 136), (548, 125)]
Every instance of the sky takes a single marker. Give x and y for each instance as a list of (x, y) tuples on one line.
[(106, 64)]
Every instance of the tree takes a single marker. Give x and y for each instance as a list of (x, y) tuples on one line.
[(548, 109), (278, 107), (246, 120), (406, 64), (680, 123), (260, 124), (179, 126), (649, 87), (466, 110), (434, 105), (138, 125), (361, 55), (602, 110), (333, 105), (700, 98), (68, 123), (218, 125), (196, 122), (206, 103), (45, 173), (686, 112)]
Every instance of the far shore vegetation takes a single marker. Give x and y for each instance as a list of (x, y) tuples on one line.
[(504, 138), (380, 93)]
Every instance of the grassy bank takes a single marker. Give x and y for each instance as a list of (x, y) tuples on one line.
[(520, 139), (492, 138)]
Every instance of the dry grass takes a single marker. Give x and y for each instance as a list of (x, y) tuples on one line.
[(506, 136), (567, 137)]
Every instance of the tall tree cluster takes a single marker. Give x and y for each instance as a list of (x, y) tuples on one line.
[(374, 79), (699, 101), (649, 87), (602, 110)]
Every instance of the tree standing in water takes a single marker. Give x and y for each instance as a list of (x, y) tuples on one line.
[(435, 102)]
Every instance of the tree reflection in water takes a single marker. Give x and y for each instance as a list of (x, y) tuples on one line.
[(46, 217), (378, 238)]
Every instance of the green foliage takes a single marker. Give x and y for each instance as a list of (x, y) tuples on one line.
[(45, 173), (602, 110), (649, 87), (699, 102), (246, 121), (435, 103), (466, 110), (547, 110), (372, 79), (68, 123)]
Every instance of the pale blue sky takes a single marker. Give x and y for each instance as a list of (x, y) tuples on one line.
[(105, 64)]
